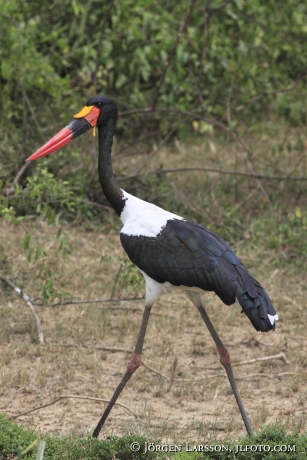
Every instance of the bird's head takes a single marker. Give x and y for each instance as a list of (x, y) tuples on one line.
[(95, 113)]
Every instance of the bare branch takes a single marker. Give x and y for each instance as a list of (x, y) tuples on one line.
[(268, 93), (29, 304), (20, 174), (187, 113), (72, 397), (213, 170), (96, 205)]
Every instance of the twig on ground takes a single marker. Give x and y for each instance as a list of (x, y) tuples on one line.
[(89, 301), (267, 376), (246, 377), (154, 370), (95, 347), (301, 411), (76, 302), (257, 375), (29, 304), (222, 374), (254, 341), (72, 397), (280, 355), (296, 337)]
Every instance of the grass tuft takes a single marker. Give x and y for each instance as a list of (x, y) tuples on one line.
[(14, 437), (272, 442)]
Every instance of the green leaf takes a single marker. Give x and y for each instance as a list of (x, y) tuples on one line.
[(26, 241)]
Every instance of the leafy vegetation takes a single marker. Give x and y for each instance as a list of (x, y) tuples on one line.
[(200, 57), (272, 443), (121, 48)]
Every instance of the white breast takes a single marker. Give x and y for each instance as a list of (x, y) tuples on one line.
[(142, 218)]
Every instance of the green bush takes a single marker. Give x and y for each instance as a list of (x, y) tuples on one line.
[(232, 62)]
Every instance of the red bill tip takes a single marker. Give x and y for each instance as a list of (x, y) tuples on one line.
[(57, 141)]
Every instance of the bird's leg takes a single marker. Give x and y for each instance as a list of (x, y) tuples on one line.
[(225, 361), (132, 366), (224, 356)]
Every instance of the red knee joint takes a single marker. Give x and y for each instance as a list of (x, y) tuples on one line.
[(224, 356), (134, 363)]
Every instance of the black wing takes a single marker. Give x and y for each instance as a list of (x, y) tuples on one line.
[(184, 253)]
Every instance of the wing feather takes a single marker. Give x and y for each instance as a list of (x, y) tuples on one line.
[(186, 254)]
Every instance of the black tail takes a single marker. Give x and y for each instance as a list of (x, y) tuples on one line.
[(255, 302)]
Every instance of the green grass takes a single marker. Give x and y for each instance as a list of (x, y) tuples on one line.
[(271, 443), (14, 438)]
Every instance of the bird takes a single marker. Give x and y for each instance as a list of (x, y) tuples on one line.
[(169, 250)]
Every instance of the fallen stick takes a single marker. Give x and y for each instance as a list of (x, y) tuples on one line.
[(111, 349), (29, 304), (280, 355), (85, 301), (72, 397), (154, 370)]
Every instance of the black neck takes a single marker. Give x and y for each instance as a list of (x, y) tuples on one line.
[(106, 176)]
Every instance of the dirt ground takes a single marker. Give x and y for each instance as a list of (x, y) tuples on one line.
[(86, 348)]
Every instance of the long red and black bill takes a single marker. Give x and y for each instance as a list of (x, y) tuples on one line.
[(84, 120)]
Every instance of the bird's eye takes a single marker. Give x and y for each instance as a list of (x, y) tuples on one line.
[(99, 104)]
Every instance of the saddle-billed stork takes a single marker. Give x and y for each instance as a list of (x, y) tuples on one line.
[(169, 250)]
